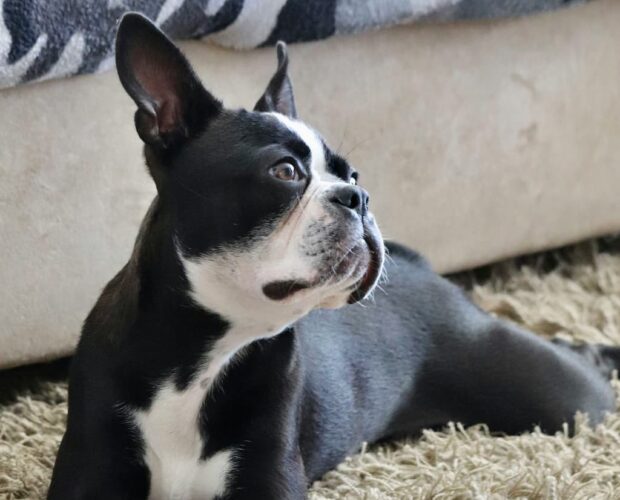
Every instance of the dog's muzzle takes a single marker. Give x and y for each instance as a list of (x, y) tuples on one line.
[(351, 247), (355, 199)]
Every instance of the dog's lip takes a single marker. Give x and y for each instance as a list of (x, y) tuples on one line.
[(368, 281), (280, 290)]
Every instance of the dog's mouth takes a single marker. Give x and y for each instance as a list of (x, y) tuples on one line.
[(370, 278), (364, 267)]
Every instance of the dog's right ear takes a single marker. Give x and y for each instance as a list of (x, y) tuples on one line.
[(279, 94), (172, 103)]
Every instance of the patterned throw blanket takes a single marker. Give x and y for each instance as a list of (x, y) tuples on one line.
[(44, 39)]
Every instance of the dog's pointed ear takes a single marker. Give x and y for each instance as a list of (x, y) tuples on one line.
[(279, 94), (172, 103)]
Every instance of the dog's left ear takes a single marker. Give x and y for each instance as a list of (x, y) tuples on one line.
[(172, 103), (279, 94)]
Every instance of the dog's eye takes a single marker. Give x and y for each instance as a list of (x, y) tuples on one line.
[(285, 172), (353, 179)]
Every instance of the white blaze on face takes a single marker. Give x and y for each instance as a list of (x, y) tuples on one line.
[(318, 162)]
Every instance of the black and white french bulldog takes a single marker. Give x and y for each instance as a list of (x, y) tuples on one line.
[(234, 355)]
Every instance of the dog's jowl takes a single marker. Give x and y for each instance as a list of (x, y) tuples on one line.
[(237, 353)]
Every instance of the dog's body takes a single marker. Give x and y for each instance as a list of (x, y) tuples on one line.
[(210, 366)]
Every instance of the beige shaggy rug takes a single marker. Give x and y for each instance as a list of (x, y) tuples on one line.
[(574, 293)]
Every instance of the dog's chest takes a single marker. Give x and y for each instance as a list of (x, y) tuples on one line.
[(173, 446)]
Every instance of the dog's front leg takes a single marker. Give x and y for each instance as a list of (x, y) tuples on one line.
[(100, 457), (86, 471)]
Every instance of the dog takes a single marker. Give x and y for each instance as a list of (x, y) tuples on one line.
[(236, 356)]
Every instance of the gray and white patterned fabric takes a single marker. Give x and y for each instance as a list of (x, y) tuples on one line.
[(44, 39)]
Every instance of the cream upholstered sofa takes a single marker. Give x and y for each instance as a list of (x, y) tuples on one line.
[(476, 142)]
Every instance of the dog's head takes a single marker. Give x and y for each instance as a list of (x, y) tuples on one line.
[(266, 217)]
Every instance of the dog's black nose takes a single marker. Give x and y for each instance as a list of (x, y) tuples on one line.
[(352, 197)]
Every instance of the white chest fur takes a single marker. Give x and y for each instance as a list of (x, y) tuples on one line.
[(171, 435), (173, 445)]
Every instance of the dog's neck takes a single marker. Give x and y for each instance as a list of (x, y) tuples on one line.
[(212, 287), (176, 294), (249, 318)]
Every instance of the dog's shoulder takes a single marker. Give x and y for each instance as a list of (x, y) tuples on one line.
[(117, 307)]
